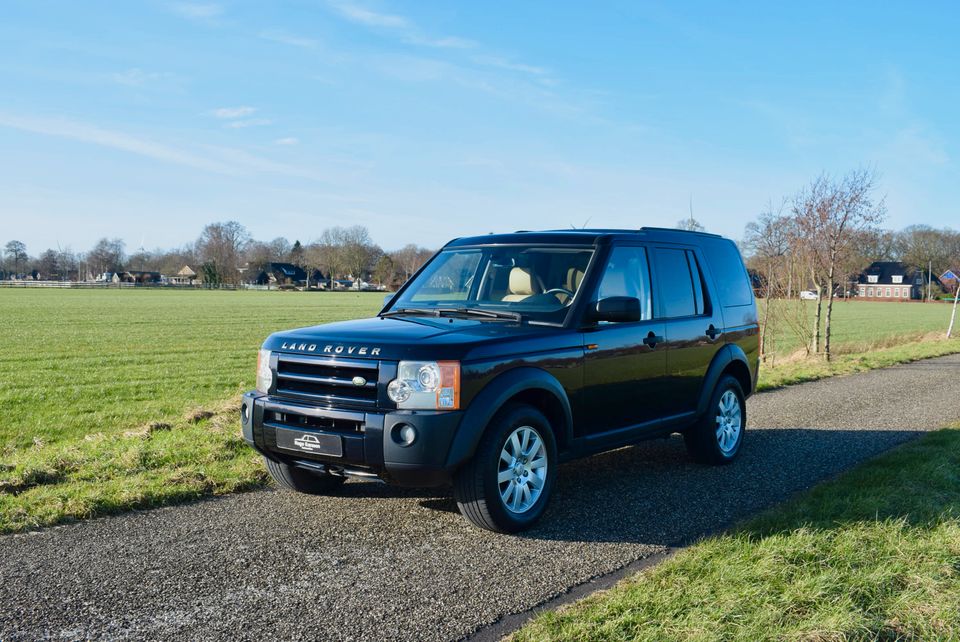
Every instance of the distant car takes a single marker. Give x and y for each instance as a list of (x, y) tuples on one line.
[(808, 295)]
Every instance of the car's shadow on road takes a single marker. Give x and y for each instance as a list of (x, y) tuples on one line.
[(653, 494)]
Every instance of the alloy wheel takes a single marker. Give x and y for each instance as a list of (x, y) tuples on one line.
[(522, 469), (729, 422)]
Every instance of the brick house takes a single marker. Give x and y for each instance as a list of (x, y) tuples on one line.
[(891, 281)]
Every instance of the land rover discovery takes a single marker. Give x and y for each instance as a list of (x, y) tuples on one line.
[(508, 354)]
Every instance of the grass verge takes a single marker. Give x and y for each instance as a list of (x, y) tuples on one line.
[(872, 555), (192, 456), (787, 373)]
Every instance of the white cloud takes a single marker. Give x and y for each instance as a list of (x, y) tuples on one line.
[(137, 77), (83, 132), (233, 112), (286, 38), (404, 27), (507, 65), (446, 42), (251, 122), (364, 16), (289, 140), (196, 10)]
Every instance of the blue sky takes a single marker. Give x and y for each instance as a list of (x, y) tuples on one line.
[(430, 120)]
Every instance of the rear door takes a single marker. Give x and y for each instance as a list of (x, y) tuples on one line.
[(693, 325), (624, 363)]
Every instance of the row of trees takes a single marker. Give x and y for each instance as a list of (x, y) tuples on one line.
[(225, 253), (822, 239)]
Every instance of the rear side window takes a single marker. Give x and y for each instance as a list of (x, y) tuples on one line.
[(678, 296), (733, 287)]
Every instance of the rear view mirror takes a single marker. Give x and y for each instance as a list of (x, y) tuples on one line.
[(616, 309)]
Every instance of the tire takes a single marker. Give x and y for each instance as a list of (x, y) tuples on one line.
[(302, 481), (709, 442), (479, 494)]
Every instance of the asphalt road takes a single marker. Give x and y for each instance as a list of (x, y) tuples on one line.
[(379, 563)]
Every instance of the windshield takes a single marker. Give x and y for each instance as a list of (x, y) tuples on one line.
[(537, 283)]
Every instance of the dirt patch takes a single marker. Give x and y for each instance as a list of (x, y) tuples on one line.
[(197, 415)]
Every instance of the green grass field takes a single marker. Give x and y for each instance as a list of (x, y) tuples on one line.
[(863, 325), (105, 393), (114, 399), (873, 555)]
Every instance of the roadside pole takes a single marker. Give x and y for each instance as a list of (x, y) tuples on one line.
[(953, 313)]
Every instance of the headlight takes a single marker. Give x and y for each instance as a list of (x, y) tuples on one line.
[(264, 374), (426, 385)]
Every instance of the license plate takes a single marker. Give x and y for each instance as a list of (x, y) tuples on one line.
[(310, 442)]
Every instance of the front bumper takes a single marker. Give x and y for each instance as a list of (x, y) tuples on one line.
[(370, 447)]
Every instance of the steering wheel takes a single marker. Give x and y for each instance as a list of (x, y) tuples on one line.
[(568, 293)]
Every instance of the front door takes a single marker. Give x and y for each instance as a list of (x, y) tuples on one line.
[(624, 363)]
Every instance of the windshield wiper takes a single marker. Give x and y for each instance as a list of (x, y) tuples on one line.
[(442, 312), (490, 314), (427, 312)]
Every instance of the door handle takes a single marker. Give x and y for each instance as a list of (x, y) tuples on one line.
[(652, 340), (713, 332)]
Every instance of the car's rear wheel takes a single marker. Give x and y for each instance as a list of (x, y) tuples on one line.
[(717, 436), (301, 480), (506, 486)]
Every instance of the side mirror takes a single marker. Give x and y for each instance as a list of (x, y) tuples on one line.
[(387, 299), (616, 309)]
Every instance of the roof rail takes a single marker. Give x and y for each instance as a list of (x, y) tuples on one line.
[(673, 229)]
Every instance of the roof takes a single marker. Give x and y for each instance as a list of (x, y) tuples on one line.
[(576, 236), (289, 270), (186, 271), (886, 270)]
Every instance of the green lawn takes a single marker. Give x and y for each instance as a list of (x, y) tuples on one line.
[(114, 399), (873, 555), (860, 325), (105, 393)]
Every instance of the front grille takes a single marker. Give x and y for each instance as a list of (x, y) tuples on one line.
[(326, 380), (287, 415)]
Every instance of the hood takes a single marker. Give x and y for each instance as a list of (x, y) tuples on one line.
[(418, 338)]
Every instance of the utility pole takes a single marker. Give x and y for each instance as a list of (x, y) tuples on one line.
[(929, 281)]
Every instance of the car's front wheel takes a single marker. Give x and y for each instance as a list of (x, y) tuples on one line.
[(506, 486), (300, 480)]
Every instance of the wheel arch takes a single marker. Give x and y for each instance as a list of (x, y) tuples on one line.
[(730, 360), (532, 386)]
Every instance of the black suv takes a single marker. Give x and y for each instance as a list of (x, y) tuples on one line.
[(506, 355)]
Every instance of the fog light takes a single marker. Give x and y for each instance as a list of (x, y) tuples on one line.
[(244, 413), (403, 434)]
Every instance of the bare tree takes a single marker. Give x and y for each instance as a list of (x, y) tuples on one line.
[(327, 253), (829, 214), (768, 239), (691, 224), (359, 251), (48, 264), (17, 252), (409, 258), (106, 256), (384, 271), (221, 247)]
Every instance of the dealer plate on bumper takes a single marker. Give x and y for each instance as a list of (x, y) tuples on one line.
[(310, 442)]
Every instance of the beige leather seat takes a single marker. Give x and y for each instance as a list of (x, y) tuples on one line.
[(521, 285), (574, 277)]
